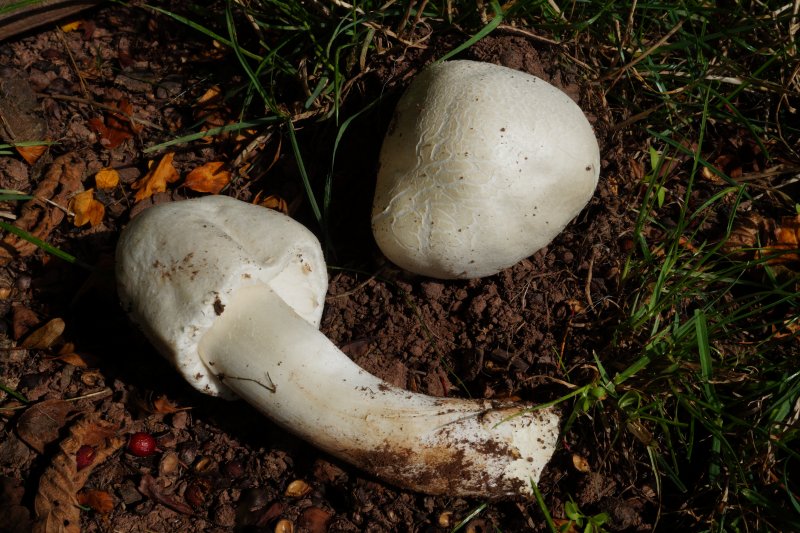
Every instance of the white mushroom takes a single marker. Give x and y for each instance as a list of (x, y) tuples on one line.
[(482, 166), (232, 294)]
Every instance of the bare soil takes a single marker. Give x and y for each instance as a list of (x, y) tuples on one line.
[(525, 333)]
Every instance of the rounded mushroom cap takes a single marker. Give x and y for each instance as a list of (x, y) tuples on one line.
[(482, 166), (179, 263)]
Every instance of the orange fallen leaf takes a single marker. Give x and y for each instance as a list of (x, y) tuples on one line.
[(787, 240), (156, 179), (275, 202), (71, 26), (213, 94), (87, 210), (99, 500), (208, 178), (107, 178), (31, 154)]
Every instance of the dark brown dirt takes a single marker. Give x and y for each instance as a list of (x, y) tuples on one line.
[(524, 333)]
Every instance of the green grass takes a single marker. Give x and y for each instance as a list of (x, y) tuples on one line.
[(699, 378)]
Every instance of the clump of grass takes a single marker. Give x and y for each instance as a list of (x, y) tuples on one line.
[(709, 385)]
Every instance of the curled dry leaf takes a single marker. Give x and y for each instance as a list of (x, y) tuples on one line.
[(107, 178), (210, 177), (56, 502), (40, 424), (62, 182), (87, 210), (156, 178), (44, 337), (154, 490)]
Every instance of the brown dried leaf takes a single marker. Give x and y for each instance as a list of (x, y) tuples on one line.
[(56, 502), (73, 359), (99, 500), (151, 488), (40, 424), (62, 182), (162, 405), (208, 178), (87, 210), (31, 154), (45, 336), (117, 126), (157, 178), (107, 178)]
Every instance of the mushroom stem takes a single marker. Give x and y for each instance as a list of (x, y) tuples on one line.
[(280, 363)]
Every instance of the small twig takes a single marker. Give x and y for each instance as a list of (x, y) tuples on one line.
[(84, 88), (107, 107)]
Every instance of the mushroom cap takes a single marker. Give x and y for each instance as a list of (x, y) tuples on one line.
[(481, 166), (179, 263)]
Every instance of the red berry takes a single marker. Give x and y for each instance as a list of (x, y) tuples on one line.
[(142, 444), (85, 456)]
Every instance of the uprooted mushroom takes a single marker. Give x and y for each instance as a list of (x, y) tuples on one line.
[(482, 166), (234, 301)]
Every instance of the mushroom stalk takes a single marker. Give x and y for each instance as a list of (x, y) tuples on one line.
[(232, 295), (274, 359)]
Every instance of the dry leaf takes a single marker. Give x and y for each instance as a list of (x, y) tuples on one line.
[(71, 26), (45, 336), (72, 359), (156, 178), (580, 463), (787, 241), (87, 210), (153, 489), (40, 424), (62, 181), (107, 178), (117, 127), (208, 178), (31, 154), (275, 202), (162, 405), (56, 502), (211, 95), (99, 500)]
